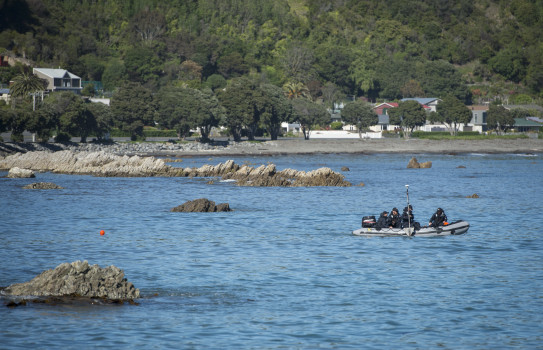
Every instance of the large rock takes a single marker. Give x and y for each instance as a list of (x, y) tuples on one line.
[(17, 172), (43, 186), (78, 279), (414, 164), (93, 163), (201, 205)]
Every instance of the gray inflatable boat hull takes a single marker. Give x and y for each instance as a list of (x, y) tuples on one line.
[(453, 228)]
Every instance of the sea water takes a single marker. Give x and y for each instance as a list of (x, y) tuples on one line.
[(283, 271)]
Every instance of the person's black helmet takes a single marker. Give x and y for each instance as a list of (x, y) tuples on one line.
[(439, 210), (395, 209)]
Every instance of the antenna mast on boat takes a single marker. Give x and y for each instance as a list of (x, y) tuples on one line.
[(409, 229)]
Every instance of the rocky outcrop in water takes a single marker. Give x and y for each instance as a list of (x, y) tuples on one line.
[(268, 175), (43, 186), (108, 164), (77, 279), (201, 205), (414, 164), (16, 173), (93, 163)]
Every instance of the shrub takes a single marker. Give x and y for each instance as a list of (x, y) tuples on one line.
[(336, 126), (17, 137), (63, 137)]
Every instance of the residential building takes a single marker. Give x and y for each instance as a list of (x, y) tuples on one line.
[(429, 103), (381, 110), (4, 95), (527, 125), (478, 118), (59, 79)]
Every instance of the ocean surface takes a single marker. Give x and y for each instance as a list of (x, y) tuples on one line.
[(283, 271)]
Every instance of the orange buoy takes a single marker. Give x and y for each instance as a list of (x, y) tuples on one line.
[(102, 232)]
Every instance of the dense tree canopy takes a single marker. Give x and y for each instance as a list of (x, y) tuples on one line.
[(499, 118), (133, 107), (378, 49), (309, 114), (359, 113), (408, 115), (452, 112), (473, 50)]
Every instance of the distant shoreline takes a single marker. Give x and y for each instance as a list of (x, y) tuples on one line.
[(369, 146), (291, 147)]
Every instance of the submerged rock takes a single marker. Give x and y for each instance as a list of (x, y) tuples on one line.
[(414, 164), (475, 195), (16, 173), (77, 279), (43, 186), (202, 205)]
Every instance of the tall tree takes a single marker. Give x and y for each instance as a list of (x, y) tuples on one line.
[(173, 109), (206, 112), (274, 109), (499, 118), (132, 105), (359, 113), (309, 114), (78, 120), (240, 99), (408, 115), (452, 112)]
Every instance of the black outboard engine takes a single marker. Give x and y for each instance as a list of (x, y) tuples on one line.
[(368, 221)]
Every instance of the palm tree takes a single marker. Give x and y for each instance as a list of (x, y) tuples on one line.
[(25, 84), (296, 90)]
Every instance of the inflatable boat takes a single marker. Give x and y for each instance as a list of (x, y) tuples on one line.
[(453, 228)]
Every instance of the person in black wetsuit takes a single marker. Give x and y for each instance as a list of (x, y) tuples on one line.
[(382, 221), (394, 219), (408, 219), (438, 219)]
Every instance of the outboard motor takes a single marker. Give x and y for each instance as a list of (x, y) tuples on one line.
[(368, 221)]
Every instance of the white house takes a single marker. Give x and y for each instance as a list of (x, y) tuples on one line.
[(59, 79), (4, 95)]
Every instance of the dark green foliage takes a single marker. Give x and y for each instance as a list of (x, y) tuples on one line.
[(380, 49), (309, 114), (183, 108), (241, 101), (359, 113), (274, 108), (452, 112), (173, 109), (132, 107), (408, 115), (499, 119)]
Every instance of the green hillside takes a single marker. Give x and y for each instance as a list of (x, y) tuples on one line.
[(475, 49)]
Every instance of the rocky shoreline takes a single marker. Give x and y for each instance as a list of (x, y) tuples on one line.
[(287, 146)]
